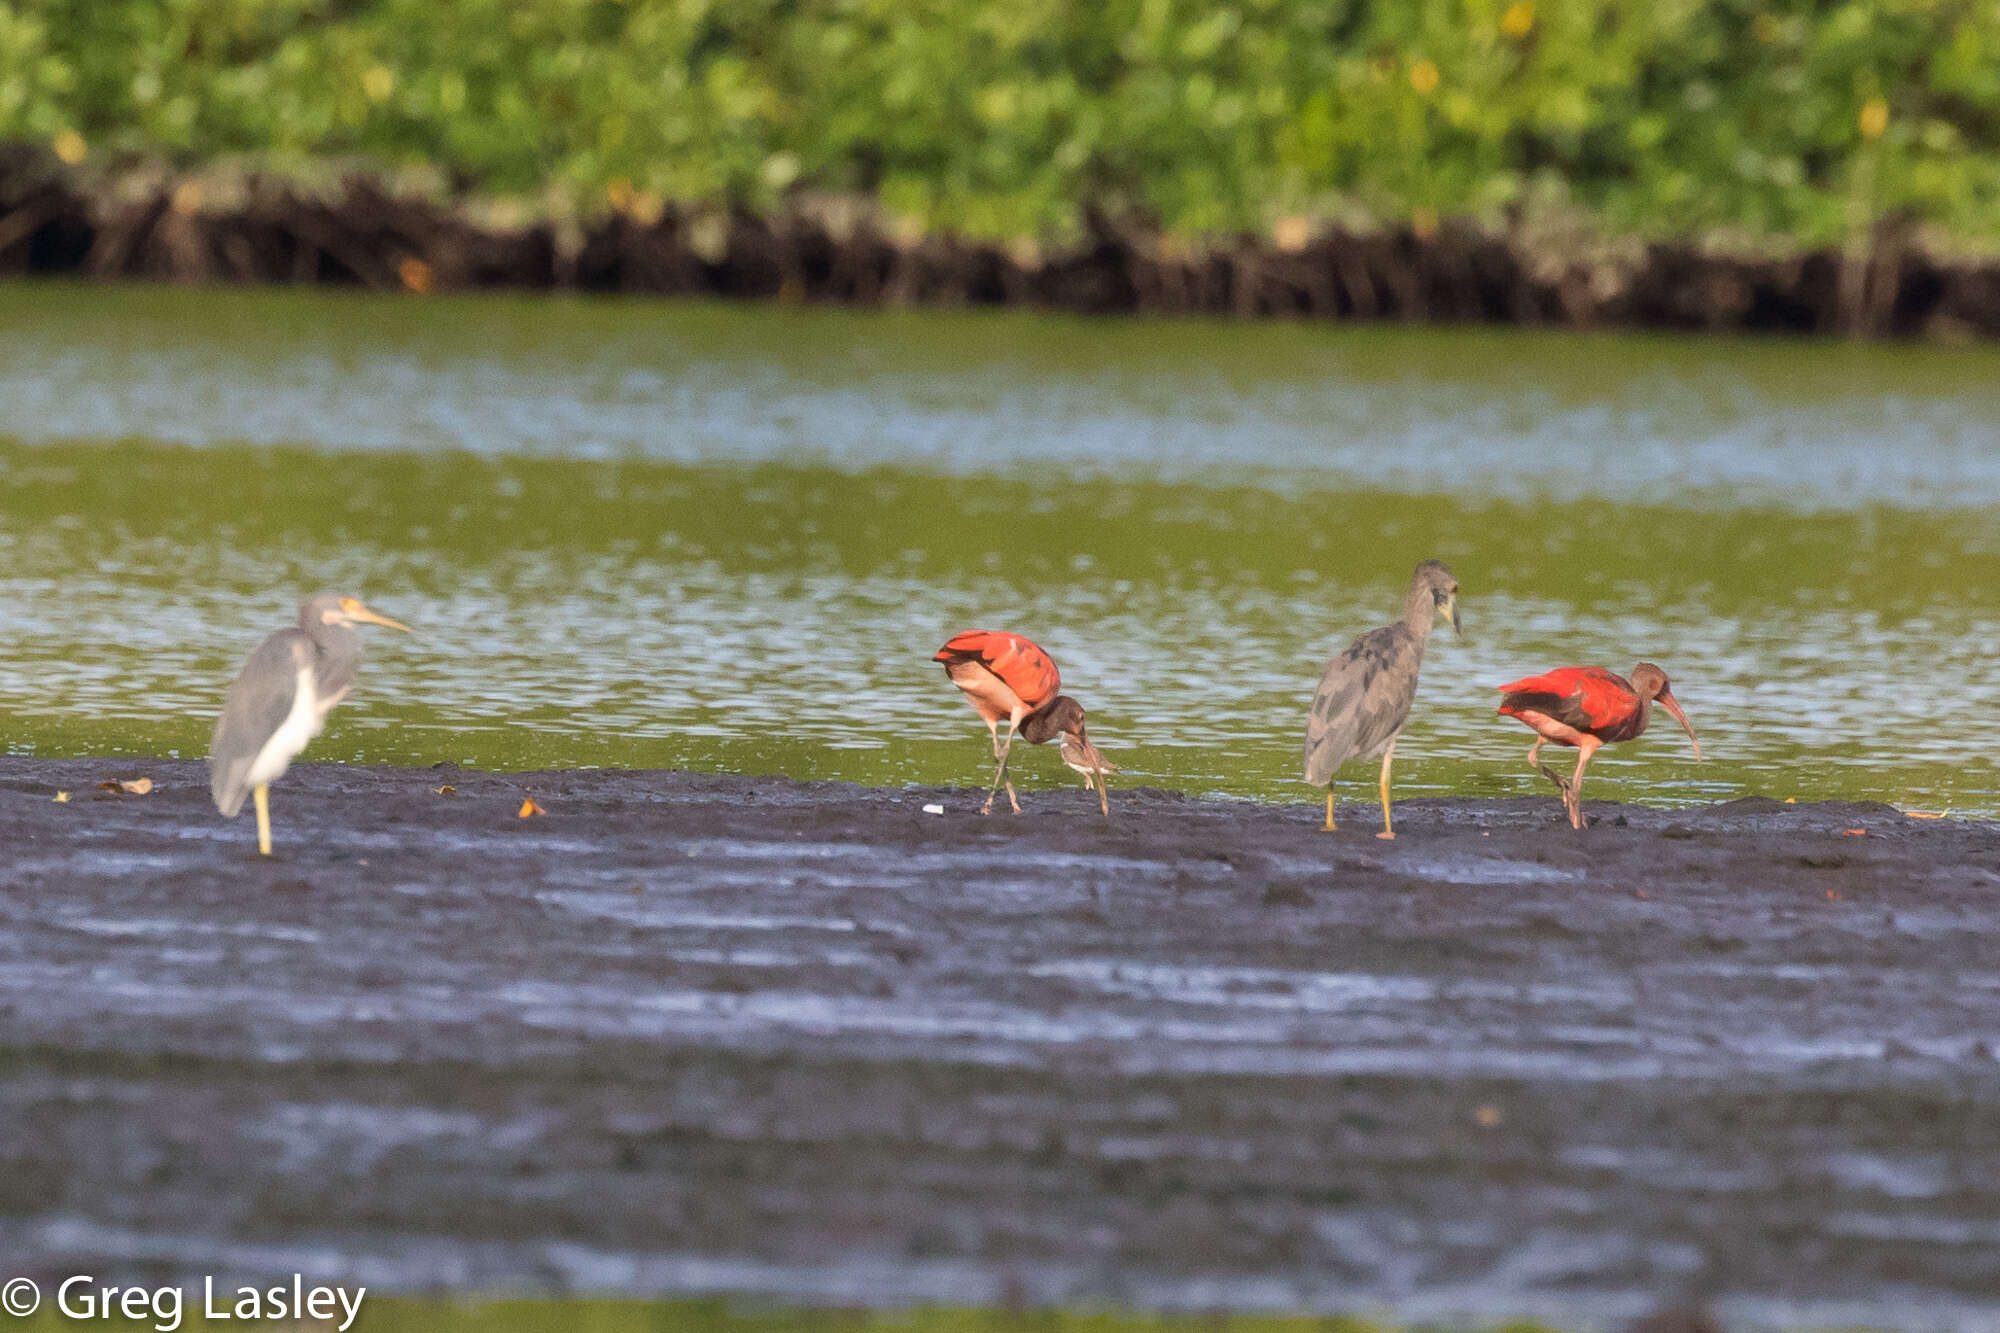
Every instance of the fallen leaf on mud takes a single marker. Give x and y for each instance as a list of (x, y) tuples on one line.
[(62, 798), (134, 786), (529, 807), (1854, 833), (1791, 800), (1925, 814), (1488, 1117), (446, 790), (1832, 896), (933, 809)]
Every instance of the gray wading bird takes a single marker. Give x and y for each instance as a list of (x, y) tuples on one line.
[(280, 702), (1364, 698)]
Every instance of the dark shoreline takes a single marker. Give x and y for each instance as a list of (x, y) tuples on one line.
[(154, 224), (688, 1034)]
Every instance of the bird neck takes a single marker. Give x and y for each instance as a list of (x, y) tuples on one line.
[(339, 645), (1418, 610)]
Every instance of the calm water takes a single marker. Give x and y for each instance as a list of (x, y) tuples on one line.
[(730, 538)]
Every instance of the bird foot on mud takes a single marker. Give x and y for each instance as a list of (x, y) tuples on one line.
[(1386, 836)]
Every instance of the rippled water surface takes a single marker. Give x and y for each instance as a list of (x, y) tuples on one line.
[(730, 538)]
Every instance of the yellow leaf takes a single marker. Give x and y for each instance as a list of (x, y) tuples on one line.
[(70, 147), (62, 798), (1874, 118), (529, 808), (1424, 76), (446, 790), (1519, 19)]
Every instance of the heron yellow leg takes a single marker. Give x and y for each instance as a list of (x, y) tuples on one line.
[(262, 796), (1328, 826), (1388, 755)]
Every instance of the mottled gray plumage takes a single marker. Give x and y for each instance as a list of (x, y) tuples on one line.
[(263, 693), (1363, 699), (1365, 696)]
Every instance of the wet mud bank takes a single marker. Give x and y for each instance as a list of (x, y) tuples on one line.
[(223, 225), (686, 1034)]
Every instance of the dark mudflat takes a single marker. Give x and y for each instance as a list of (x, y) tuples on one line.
[(709, 1033)]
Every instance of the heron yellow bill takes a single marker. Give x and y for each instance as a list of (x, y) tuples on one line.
[(356, 611)]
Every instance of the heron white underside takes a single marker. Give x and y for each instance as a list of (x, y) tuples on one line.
[(306, 720)]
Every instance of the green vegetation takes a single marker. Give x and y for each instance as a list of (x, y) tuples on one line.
[(1746, 121)]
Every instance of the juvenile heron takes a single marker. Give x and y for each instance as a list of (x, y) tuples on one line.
[(1007, 676), (1588, 707), (1364, 698), (280, 701)]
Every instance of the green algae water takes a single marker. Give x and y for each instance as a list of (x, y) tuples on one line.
[(730, 538)]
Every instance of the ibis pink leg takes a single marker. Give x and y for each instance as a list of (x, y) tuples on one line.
[(1573, 797)]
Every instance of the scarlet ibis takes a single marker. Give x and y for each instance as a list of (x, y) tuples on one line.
[(1364, 698), (1587, 707), (280, 701), (1006, 676)]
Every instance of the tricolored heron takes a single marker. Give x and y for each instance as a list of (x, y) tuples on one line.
[(1006, 676), (1587, 707), (280, 700), (1364, 698)]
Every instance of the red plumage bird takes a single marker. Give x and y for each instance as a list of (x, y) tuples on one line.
[(1005, 676), (1586, 707)]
